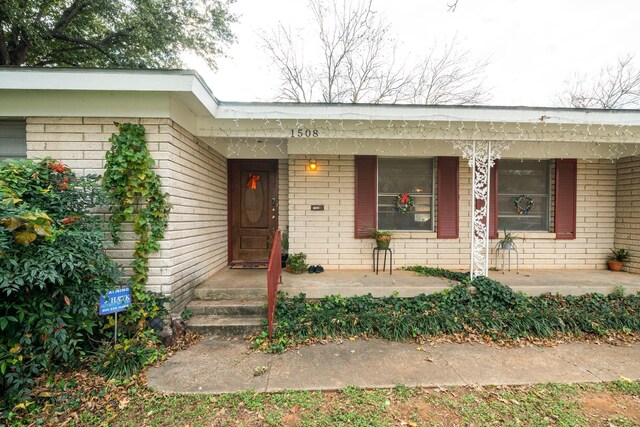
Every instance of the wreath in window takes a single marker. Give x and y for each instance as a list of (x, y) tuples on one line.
[(518, 201), (403, 203)]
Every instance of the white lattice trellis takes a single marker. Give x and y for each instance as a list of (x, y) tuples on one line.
[(481, 156)]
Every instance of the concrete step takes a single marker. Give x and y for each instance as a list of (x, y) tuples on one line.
[(226, 326), (234, 307), (216, 293)]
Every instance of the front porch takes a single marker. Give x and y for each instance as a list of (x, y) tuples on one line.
[(233, 302), (252, 284)]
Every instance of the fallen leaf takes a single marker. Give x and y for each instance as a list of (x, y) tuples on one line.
[(123, 403)]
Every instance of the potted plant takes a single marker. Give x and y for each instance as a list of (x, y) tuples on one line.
[(508, 241), (285, 247), (618, 256), (383, 238), (296, 263)]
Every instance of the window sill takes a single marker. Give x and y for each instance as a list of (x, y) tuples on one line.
[(530, 235), (414, 234)]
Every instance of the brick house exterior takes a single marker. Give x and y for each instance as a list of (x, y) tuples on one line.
[(69, 115)]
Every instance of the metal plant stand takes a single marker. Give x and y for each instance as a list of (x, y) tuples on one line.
[(508, 250), (375, 257)]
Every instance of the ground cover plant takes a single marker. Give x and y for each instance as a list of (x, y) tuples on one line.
[(81, 398), (482, 308)]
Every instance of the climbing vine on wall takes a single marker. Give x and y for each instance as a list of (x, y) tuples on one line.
[(137, 197)]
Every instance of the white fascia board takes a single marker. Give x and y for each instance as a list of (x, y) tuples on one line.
[(379, 112), (97, 80)]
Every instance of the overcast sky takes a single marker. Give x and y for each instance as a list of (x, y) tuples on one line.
[(533, 45)]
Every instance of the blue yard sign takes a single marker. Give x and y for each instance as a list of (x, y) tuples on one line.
[(115, 301)]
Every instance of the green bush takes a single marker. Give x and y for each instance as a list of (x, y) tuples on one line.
[(483, 307), (296, 263), (52, 269), (123, 360)]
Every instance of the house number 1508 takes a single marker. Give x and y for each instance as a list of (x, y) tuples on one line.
[(304, 133)]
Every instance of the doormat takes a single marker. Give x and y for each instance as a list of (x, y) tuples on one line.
[(255, 266)]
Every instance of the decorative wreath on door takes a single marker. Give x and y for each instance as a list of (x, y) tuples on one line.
[(253, 180), (517, 204), (403, 203)]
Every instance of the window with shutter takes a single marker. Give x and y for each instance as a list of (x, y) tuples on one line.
[(410, 177), (525, 182)]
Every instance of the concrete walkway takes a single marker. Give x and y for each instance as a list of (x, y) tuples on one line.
[(214, 366)]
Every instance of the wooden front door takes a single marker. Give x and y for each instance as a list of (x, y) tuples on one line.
[(253, 201)]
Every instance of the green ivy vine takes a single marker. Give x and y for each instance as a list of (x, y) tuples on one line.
[(136, 197)]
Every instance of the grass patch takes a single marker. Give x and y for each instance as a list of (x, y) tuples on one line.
[(135, 404), (482, 307)]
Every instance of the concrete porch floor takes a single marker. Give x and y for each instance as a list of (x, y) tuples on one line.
[(230, 284)]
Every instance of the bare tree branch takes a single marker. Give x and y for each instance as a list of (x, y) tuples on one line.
[(356, 61), (449, 77), (615, 87)]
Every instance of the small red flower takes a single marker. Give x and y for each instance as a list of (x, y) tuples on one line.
[(70, 220), (59, 167), (63, 186)]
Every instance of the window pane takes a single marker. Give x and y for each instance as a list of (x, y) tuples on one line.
[(13, 139), (403, 175), (530, 178)]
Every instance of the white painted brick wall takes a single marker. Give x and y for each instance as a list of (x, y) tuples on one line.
[(193, 174)]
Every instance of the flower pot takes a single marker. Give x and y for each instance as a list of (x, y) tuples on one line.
[(614, 265), (383, 243), (507, 245)]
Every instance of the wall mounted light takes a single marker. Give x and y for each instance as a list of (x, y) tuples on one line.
[(313, 165)]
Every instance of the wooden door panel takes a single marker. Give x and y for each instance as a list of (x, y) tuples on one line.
[(254, 204), (253, 208)]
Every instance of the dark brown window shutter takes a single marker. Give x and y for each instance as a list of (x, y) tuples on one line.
[(448, 198), (566, 195), (493, 200), (366, 212)]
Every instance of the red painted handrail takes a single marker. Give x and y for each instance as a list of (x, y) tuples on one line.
[(274, 277)]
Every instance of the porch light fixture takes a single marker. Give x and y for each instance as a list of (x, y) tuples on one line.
[(313, 165)]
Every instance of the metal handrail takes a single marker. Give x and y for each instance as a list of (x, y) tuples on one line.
[(274, 277)]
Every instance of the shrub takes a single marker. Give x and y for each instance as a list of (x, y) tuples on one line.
[(52, 269), (296, 263), (123, 360)]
